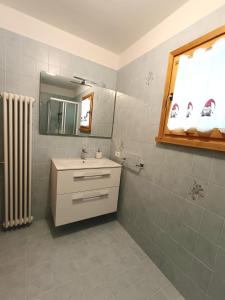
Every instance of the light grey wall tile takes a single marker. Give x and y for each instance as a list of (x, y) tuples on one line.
[(2, 51), (152, 158), (182, 282), (12, 82), (211, 226), (2, 79), (205, 251), (222, 237), (171, 292), (188, 238), (220, 263), (1, 166), (41, 170), (54, 56), (170, 247), (35, 50), (217, 287), (40, 198), (202, 165), (218, 169), (28, 66), (183, 259), (170, 269), (175, 180), (159, 296), (160, 215), (173, 204), (1, 191), (191, 214), (13, 52), (201, 274), (214, 199), (174, 226), (178, 254)]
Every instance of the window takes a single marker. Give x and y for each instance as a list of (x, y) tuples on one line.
[(193, 110)]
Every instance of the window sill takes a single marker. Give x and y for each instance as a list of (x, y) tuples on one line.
[(209, 144)]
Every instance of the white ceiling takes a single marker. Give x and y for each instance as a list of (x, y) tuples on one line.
[(112, 24)]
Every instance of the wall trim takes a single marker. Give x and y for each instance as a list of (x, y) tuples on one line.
[(15, 21), (185, 16)]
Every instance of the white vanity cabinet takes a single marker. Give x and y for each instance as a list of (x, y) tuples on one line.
[(83, 189)]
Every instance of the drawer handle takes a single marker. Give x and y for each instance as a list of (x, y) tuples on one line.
[(91, 175), (91, 197)]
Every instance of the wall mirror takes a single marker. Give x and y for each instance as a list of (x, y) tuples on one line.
[(75, 107)]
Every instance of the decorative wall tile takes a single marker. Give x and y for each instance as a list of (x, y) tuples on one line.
[(196, 191)]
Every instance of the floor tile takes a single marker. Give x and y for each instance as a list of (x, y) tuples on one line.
[(78, 262)]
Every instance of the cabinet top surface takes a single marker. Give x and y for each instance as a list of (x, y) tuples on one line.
[(89, 163)]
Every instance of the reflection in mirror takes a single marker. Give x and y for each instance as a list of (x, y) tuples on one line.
[(69, 106), (62, 116), (86, 113)]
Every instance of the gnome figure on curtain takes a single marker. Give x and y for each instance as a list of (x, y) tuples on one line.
[(209, 108), (189, 110), (174, 111)]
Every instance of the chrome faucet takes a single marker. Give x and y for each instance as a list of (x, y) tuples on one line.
[(83, 153)]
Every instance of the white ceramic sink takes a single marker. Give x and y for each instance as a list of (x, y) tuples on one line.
[(89, 163)]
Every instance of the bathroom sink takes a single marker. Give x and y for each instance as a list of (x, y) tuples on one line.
[(89, 163)]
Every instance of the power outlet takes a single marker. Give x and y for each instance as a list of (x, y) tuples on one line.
[(117, 154)]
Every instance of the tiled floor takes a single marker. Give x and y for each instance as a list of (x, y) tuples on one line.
[(79, 262)]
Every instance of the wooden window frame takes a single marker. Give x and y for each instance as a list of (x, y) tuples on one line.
[(214, 140), (87, 129)]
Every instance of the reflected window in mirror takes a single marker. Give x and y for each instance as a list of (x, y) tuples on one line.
[(86, 113)]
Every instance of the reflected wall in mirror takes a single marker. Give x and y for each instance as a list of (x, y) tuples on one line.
[(71, 106)]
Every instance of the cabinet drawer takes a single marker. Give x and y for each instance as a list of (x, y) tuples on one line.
[(71, 181), (83, 205)]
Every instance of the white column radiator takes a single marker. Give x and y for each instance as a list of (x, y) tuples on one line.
[(17, 132)]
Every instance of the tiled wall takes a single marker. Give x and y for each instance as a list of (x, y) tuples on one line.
[(185, 237), (183, 230), (21, 60)]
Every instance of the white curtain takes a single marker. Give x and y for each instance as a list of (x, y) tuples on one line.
[(199, 93), (180, 97)]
